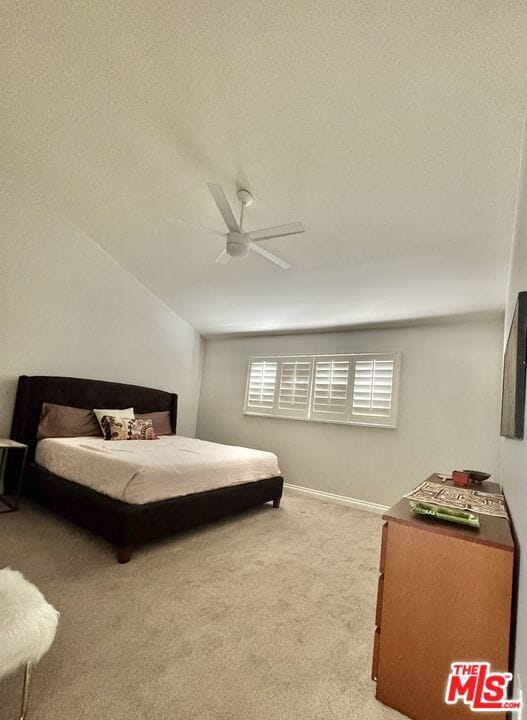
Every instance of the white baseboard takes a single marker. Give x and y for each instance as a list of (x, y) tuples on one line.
[(341, 499)]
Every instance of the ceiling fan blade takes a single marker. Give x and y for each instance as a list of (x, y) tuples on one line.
[(223, 258), (174, 220), (223, 206), (269, 256), (277, 231)]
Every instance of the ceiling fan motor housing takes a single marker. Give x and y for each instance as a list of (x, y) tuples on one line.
[(237, 245), (245, 197)]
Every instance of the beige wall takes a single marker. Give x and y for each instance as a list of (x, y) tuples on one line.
[(448, 409), (514, 452), (67, 308)]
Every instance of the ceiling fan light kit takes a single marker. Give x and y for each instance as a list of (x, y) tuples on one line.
[(239, 243)]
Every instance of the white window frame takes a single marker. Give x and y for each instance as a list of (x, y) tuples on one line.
[(350, 415)]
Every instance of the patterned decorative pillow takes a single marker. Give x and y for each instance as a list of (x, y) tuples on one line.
[(122, 428), (161, 420), (127, 413)]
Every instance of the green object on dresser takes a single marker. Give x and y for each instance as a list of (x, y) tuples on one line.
[(462, 517)]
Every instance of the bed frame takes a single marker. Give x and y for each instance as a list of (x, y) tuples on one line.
[(124, 524)]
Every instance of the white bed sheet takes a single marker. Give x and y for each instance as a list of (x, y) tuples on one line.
[(142, 471)]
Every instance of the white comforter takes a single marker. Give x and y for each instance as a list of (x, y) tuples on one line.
[(142, 471)]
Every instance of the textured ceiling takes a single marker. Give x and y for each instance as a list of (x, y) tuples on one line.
[(390, 129)]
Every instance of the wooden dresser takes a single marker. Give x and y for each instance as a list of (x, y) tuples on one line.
[(444, 594)]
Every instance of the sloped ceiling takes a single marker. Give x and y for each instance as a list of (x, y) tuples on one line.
[(390, 129)]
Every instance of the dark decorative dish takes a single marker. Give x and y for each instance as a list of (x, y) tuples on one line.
[(477, 476)]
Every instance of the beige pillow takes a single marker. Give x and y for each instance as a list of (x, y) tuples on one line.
[(160, 420), (65, 421), (126, 413)]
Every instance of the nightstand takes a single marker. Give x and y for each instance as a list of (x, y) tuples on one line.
[(11, 502)]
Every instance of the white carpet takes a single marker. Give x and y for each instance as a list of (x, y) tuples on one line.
[(267, 616)]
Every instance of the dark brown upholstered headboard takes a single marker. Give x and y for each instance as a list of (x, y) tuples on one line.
[(33, 391)]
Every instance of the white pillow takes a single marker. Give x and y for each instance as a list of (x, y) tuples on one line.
[(126, 413)]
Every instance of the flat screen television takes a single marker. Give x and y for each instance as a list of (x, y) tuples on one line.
[(513, 392)]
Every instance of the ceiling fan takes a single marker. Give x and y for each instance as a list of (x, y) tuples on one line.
[(240, 243)]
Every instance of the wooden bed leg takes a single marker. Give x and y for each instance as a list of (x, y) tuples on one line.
[(276, 502), (124, 553)]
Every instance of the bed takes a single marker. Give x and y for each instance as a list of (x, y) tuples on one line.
[(131, 504)]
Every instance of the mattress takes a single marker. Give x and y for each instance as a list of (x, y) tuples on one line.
[(143, 471)]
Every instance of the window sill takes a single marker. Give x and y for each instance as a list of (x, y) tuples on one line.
[(359, 423)]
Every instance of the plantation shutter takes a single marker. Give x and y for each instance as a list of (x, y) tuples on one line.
[(294, 387), (261, 386), (359, 389), (373, 386), (331, 388)]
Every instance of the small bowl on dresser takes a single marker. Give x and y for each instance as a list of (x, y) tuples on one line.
[(460, 479)]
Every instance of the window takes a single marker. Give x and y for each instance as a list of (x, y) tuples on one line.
[(330, 393), (373, 387), (261, 385), (359, 389), (294, 388)]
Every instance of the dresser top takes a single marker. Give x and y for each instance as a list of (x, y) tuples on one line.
[(494, 531)]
